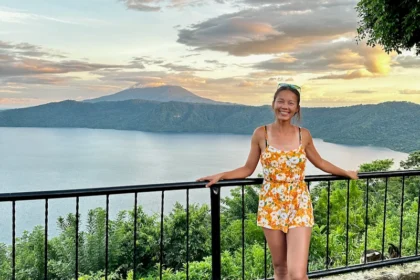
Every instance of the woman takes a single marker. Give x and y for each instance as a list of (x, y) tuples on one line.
[(285, 208)]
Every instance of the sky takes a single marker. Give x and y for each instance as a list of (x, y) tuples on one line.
[(226, 50)]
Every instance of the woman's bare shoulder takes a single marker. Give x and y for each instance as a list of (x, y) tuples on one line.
[(259, 133), (305, 131), (306, 136)]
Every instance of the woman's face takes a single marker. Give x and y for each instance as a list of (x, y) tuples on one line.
[(285, 106)]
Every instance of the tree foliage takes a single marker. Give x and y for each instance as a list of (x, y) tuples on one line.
[(391, 24)]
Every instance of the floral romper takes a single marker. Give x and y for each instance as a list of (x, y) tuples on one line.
[(284, 200)]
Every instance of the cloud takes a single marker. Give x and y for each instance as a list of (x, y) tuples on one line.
[(27, 59), (410, 91), (147, 60), (355, 60), (356, 74), (25, 66), (103, 88), (408, 61), (28, 50), (18, 101), (246, 84), (22, 17), (151, 78), (157, 5), (181, 68), (267, 74), (8, 91), (142, 5), (286, 58), (40, 80), (272, 29), (5, 45), (216, 63), (161, 63), (190, 55), (130, 76), (297, 5)]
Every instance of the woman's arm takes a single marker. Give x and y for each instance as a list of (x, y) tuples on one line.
[(320, 163), (243, 171)]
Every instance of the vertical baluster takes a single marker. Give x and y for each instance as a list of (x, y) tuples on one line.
[(135, 237), (77, 239), (402, 213), (188, 233), (384, 221), (265, 258), (417, 228), (161, 234), (307, 265), (46, 241), (106, 236), (347, 222), (13, 240), (215, 233), (327, 263), (243, 233), (366, 216)]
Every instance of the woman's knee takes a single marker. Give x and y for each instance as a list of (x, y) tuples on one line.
[(280, 268), (298, 274)]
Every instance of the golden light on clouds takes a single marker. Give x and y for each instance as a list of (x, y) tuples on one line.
[(410, 91), (377, 61), (347, 59), (237, 53), (246, 84), (286, 58)]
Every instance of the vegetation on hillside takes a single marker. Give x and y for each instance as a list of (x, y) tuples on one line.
[(393, 125)]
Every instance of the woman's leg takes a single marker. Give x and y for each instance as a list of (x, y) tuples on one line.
[(298, 241), (276, 240)]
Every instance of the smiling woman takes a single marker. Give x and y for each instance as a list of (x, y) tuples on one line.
[(285, 208)]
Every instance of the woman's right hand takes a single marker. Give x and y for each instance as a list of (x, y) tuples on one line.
[(213, 179)]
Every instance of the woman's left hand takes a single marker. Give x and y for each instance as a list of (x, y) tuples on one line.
[(352, 175)]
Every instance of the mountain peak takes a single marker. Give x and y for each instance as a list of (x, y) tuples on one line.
[(164, 93)]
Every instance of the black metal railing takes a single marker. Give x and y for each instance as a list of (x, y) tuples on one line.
[(366, 263), (371, 179)]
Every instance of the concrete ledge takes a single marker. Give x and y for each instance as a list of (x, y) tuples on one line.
[(409, 271)]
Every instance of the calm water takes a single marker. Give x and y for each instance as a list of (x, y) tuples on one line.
[(34, 159)]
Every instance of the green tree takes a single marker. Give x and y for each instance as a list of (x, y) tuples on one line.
[(392, 24), (5, 262), (121, 241), (377, 165), (62, 254), (232, 205), (30, 254), (175, 235), (413, 161)]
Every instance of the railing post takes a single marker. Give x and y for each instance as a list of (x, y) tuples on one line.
[(215, 233)]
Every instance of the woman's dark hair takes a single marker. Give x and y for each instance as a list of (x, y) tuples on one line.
[(296, 92)]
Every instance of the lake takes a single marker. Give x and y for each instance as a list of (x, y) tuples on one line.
[(35, 159)]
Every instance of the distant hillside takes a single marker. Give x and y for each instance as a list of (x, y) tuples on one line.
[(160, 94), (394, 125)]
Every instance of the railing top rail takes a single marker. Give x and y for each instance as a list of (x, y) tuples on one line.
[(18, 196)]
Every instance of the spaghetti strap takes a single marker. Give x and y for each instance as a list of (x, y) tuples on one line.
[(265, 131), (300, 136)]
